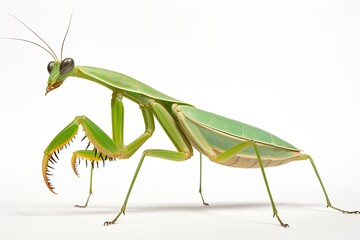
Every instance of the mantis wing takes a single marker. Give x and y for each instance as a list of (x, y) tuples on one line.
[(213, 134)]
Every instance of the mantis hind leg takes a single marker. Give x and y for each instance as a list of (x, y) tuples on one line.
[(226, 155), (323, 188), (238, 149), (267, 186)]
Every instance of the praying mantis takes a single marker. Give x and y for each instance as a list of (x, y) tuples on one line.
[(222, 140)]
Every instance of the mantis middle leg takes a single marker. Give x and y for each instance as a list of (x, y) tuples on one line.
[(200, 185), (184, 149), (90, 188)]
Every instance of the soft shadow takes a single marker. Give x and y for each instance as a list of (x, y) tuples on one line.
[(213, 206), (68, 210)]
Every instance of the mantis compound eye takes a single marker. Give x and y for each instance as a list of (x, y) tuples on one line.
[(66, 65), (50, 66)]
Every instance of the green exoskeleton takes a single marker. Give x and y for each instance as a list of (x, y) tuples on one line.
[(222, 140)]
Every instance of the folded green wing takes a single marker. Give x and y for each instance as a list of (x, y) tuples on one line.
[(212, 134), (233, 127)]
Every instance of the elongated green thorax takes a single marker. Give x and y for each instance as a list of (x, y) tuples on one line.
[(130, 87), (118, 81)]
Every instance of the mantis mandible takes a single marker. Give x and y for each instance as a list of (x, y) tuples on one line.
[(222, 140)]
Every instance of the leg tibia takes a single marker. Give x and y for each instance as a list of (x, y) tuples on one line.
[(200, 185), (90, 188), (51, 152), (238, 149), (87, 155), (158, 153)]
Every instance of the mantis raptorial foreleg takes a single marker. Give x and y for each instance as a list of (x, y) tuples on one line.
[(105, 148), (184, 150), (117, 122)]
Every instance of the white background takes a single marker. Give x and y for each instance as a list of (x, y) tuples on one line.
[(289, 67)]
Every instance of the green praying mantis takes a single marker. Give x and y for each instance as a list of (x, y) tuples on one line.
[(222, 140)]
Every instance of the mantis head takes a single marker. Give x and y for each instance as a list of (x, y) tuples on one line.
[(59, 71)]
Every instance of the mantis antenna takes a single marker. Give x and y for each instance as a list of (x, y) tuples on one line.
[(24, 40), (53, 53), (62, 45)]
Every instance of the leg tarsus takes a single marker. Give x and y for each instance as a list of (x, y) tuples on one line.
[(344, 211), (87, 201), (107, 223), (281, 223), (202, 198)]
